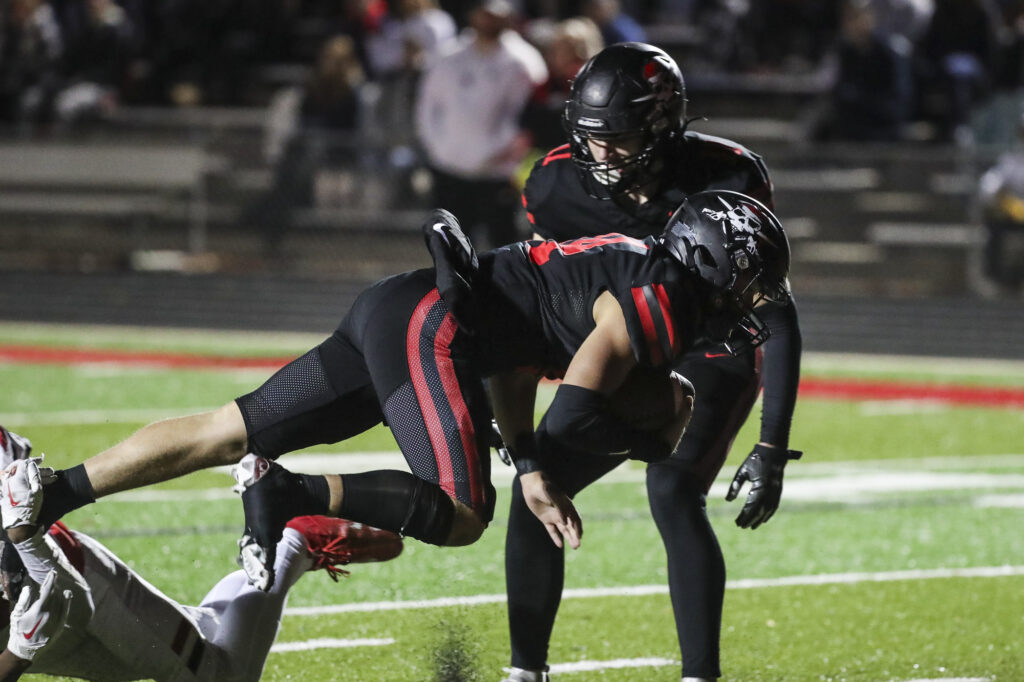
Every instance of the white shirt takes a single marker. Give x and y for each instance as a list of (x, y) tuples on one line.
[(429, 29), (469, 104)]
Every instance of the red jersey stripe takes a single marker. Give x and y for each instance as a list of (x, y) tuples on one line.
[(647, 322), (556, 154), (666, 314)]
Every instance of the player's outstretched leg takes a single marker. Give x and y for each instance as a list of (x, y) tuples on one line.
[(333, 542), (271, 497)]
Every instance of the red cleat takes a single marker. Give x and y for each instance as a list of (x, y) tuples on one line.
[(334, 541)]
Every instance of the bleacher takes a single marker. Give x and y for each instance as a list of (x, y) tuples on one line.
[(152, 202)]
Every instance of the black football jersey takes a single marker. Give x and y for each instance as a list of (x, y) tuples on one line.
[(559, 206), (540, 298)]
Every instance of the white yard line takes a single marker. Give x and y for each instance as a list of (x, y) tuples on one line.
[(616, 664), (646, 590), (954, 679), (328, 643), (122, 416), (826, 481)]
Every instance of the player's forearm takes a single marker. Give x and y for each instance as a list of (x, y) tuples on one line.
[(513, 395), (781, 373), (12, 667), (37, 556)]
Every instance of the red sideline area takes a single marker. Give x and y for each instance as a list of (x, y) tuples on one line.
[(816, 387)]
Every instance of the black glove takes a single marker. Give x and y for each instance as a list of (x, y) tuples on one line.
[(763, 467), (455, 266)]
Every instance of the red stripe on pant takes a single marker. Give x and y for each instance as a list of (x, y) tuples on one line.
[(446, 368), (455, 401)]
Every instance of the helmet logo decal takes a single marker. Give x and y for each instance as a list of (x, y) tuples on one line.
[(744, 226), (657, 74)]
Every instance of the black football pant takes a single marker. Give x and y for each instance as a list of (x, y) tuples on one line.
[(726, 389), (397, 355)]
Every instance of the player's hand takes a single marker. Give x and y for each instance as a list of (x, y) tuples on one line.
[(22, 486), (552, 507), (39, 617), (13, 447), (763, 468)]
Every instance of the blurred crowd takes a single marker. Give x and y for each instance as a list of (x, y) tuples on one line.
[(473, 90), (890, 61)]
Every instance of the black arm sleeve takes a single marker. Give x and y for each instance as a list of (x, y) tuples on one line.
[(578, 418), (781, 371)]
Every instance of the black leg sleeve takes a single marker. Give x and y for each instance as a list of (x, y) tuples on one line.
[(534, 567), (696, 568), (534, 574)]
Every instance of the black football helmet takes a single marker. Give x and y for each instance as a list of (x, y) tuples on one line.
[(737, 246), (625, 90)]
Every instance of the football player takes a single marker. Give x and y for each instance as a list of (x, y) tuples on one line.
[(415, 348), (629, 162), (82, 612)]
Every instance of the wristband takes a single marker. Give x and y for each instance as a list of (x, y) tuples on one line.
[(525, 454)]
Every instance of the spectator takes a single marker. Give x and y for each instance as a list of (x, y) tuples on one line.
[(303, 134), (616, 26), (956, 64), (468, 121), (1001, 195), (100, 50), (31, 48), (790, 35), (357, 19), (907, 18), (996, 122), (410, 36), (570, 44), (872, 88)]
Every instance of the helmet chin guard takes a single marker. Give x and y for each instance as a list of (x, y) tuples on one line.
[(739, 249)]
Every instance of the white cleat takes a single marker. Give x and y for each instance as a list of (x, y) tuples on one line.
[(249, 469), (253, 560), (520, 675)]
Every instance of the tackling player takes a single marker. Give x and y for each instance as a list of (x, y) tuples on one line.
[(414, 349), (629, 162), (82, 612)]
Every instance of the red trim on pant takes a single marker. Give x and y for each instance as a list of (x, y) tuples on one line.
[(431, 419), (446, 368)]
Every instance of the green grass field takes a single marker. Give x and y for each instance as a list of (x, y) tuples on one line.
[(897, 553)]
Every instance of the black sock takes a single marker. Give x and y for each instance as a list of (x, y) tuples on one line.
[(70, 491), (319, 493), (377, 498)]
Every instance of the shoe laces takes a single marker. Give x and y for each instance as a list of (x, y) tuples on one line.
[(329, 556)]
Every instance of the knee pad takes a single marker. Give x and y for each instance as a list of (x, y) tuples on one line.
[(431, 514)]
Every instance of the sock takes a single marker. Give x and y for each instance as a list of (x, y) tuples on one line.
[(72, 490), (319, 493)]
